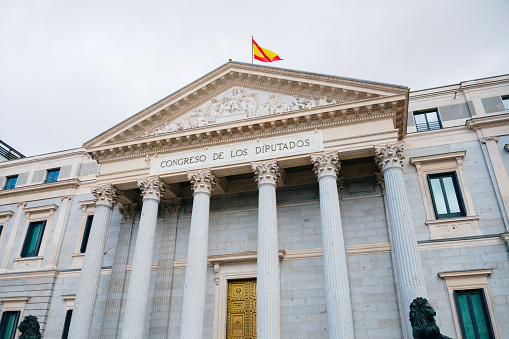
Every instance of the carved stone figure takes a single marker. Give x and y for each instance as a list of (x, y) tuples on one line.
[(30, 328), (422, 319)]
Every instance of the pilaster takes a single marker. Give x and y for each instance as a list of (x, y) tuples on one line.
[(114, 298), (162, 296)]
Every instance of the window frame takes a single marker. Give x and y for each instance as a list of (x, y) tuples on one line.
[(472, 315), (69, 300), (49, 173), (14, 304), (3, 324), (29, 235), (67, 323), (443, 228), (88, 207), (86, 233), (7, 179), (505, 102), (457, 191), (424, 113), (470, 280)]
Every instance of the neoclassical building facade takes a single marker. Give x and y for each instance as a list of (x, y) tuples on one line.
[(260, 202)]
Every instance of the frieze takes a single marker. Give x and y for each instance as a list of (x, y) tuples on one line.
[(241, 103)]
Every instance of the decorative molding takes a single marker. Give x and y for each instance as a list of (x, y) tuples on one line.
[(380, 180), (454, 227), (38, 188), (202, 181), (389, 156), (151, 188), (437, 157), (40, 212), (14, 299), (221, 259), (266, 172), (455, 274), (172, 206), (455, 243), (28, 275), (326, 164), (488, 121), (248, 76), (505, 237), (128, 212), (105, 195), (486, 139)]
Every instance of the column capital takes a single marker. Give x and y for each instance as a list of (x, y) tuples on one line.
[(172, 206), (266, 172), (105, 195), (202, 181), (128, 211), (151, 188), (326, 164), (389, 156)]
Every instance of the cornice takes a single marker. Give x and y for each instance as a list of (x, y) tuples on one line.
[(458, 274), (62, 184), (286, 123), (227, 74), (43, 157), (488, 121), (46, 208), (438, 157), (28, 275)]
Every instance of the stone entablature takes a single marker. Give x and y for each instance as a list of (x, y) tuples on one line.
[(275, 102)]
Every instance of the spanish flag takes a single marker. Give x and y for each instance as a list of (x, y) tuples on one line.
[(263, 54)]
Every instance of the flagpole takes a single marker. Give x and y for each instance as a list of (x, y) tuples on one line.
[(252, 50)]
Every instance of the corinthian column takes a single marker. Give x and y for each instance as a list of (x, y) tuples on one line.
[(268, 290), (86, 295), (408, 263), (337, 291), (139, 283), (193, 308)]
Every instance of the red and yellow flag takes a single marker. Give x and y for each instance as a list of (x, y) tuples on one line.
[(263, 54)]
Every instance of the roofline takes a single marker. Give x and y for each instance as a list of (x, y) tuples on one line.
[(461, 83), (244, 64)]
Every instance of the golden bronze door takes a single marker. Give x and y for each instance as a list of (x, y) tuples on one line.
[(241, 319)]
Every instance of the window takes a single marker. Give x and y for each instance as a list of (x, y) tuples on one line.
[(67, 324), (52, 175), (33, 239), (505, 101), (1, 229), (86, 233), (9, 324), (446, 195), (11, 182), (427, 120), (473, 314)]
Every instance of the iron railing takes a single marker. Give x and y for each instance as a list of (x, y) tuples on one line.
[(8, 152)]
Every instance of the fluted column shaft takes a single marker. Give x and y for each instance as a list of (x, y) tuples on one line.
[(139, 282), (408, 263), (268, 292), (337, 288), (91, 270), (193, 307)]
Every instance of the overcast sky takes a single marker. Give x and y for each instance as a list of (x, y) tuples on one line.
[(70, 70)]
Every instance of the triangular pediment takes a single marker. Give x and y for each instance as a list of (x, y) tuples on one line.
[(245, 93), (241, 103)]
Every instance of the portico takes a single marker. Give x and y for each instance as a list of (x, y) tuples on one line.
[(271, 132)]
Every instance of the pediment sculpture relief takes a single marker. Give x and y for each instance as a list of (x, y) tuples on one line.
[(240, 104)]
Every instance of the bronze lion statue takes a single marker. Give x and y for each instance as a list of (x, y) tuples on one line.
[(29, 328), (422, 318)]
